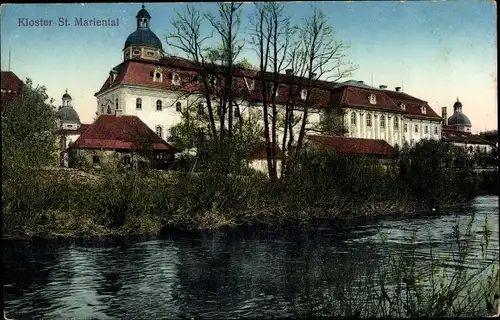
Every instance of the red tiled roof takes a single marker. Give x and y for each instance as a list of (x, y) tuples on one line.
[(464, 137), (120, 132), (351, 96), (413, 104), (260, 152), (323, 93), (345, 145), (11, 86)]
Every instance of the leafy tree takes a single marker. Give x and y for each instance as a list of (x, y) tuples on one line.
[(28, 130), (245, 64)]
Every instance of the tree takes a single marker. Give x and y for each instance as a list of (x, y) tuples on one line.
[(310, 52), (245, 64), (28, 130)]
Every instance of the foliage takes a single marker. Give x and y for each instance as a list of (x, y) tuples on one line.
[(491, 135), (28, 130)]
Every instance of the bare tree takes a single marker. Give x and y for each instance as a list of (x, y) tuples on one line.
[(311, 52)]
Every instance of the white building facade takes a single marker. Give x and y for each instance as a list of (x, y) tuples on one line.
[(154, 88)]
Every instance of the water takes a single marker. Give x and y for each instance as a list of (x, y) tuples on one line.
[(244, 273)]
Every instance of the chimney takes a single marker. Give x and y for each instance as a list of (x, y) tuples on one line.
[(289, 72), (118, 112), (444, 115), (398, 89), (383, 87)]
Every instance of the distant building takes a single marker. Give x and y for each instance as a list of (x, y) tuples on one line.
[(374, 148), (69, 127), (457, 130), (11, 87), (120, 140)]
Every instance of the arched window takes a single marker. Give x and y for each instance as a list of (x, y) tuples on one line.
[(382, 121), (178, 107), (138, 103), (176, 78), (116, 104), (108, 110), (353, 119), (368, 120), (159, 131), (158, 105)]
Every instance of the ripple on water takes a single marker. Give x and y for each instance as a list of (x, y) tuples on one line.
[(249, 274)]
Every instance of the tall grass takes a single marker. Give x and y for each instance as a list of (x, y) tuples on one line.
[(323, 185), (405, 285)]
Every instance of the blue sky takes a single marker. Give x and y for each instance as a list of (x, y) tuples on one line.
[(437, 51)]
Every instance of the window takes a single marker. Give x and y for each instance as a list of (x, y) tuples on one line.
[(368, 120), (70, 126), (157, 75), (236, 112), (150, 53), (426, 129), (116, 104), (412, 142), (200, 110), (382, 121), (137, 52), (178, 107), (138, 103), (424, 110), (406, 127), (303, 95), (416, 128), (102, 108), (176, 78), (435, 130), (109, 110), (396, 123), (403, 106), (372, 98), (158, 105), (96, 159), (159, 131), (353, 119)]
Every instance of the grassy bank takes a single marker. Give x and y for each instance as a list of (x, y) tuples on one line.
[(52, 203)]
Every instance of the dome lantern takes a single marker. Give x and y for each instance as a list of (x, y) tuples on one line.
[(143, 43)]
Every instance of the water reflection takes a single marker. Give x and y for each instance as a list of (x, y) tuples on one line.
[(244, 273)]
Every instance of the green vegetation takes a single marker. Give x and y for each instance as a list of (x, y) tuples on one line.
[(224, 192), (403, 282)]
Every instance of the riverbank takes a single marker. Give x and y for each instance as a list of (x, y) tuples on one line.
[(72, 203)]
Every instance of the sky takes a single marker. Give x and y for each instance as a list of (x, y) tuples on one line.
[(435, 50)]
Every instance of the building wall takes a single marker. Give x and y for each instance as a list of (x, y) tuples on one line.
[(405, 130), (261, 165)]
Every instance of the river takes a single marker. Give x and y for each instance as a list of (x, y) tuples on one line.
[(245, 273)]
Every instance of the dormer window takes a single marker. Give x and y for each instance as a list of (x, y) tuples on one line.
[(423, 109), (372, 98), (403, 106), (303, 94), (136, 52), (176, 79), (157, 75)]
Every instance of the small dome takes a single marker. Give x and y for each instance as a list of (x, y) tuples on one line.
[(66, 96), (143, 37), (68, 114), (459, 119), (457, 105), (143, 13)]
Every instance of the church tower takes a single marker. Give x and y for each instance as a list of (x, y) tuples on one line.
[(143, 43)]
